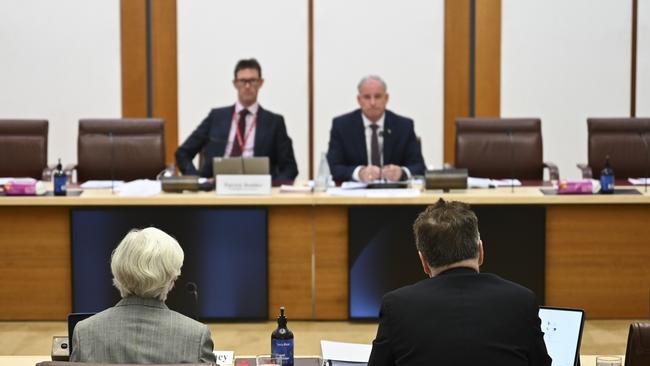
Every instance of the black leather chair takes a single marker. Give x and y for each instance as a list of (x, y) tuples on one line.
[(502, 148), (622, 139), (638, 345), (120, 149), (23, 148)]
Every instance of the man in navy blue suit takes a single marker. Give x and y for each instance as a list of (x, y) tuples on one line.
[(372, 142), (244, 129)]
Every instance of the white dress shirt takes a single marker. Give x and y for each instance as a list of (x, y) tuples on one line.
[(249, 134)]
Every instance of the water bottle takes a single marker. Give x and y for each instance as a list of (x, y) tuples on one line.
[(59, 180), (607, 178), (323, 177), (282, 340)]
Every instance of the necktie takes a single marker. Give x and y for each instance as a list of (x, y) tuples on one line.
[(375, 158), (237, 149)]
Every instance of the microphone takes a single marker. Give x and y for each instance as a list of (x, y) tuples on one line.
[(647, 162), (512, 160), (193, 291)]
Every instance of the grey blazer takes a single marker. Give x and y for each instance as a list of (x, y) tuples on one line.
[(139, 330)]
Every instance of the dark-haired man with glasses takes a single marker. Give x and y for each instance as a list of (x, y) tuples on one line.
[(244, 129)]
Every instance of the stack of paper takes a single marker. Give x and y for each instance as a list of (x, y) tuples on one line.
[(491, 183), (344, 354), (639, 181)]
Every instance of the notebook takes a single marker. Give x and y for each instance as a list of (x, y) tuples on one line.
[(562, 329)]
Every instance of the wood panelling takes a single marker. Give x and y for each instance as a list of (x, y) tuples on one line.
[(488, 58), (598, 259), (164, 71), (487, 64), (331, 252), (35, 263), (133, 35), (457, 44), (290, 261)]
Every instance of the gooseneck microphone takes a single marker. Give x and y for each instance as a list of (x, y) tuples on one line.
[(193, 291), (647, 161), (512, 160)]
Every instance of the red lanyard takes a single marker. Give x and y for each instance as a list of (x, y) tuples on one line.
[(242, 141)]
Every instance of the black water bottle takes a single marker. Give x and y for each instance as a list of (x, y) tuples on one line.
[(59, 180), (607, 178), (282, 340)]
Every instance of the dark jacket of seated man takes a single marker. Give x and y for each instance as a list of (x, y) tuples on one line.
[(348, 150), (211, 137), (457, 316)]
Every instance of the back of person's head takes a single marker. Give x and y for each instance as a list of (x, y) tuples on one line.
[(146, 263), (249, 63), (446, 233)]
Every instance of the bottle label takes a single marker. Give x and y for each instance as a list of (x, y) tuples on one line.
[(607, 183), (284, 348), (59, 184)]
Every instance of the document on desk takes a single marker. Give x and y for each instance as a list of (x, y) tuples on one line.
[(639, 181), (376, 193), (140, 188), (473, 182), (342, 354), (101, 184)]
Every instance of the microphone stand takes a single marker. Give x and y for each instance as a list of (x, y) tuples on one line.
[(512, 161), (647, 163), (110, 140)]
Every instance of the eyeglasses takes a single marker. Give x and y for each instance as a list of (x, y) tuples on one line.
[(251, 82)]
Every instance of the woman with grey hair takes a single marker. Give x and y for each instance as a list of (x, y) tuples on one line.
[(140, 329)]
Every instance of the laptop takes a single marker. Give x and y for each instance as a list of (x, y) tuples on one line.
[(256, 165), (73, 319), (562, 329)]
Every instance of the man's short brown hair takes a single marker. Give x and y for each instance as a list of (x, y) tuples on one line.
[(446, 233)]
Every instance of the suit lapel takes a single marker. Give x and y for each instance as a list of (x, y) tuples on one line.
[(388, 138), (359, 137), (262, 128), (224, 124)]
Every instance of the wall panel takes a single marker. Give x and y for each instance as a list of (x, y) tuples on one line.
[(565, 61), (643, 61), (60, 61), (213, 35), (400, 41)]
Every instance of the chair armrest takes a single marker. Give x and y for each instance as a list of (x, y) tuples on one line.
[(553, 171), (586, 170)]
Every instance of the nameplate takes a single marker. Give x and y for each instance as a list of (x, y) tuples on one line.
[(243, 185), (225, 357)]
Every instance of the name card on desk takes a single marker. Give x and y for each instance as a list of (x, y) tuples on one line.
[(243, 185)]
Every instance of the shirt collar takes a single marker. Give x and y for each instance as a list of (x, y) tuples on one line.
[(136, 300), (367, 122), (253, 108)]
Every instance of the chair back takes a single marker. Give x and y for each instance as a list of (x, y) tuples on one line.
[(23, 147), (120, 149), (622, 140), (500, 148), (638, 345)]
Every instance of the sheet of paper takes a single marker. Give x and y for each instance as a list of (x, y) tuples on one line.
[(101, 184), (140, 188), (287, 188), (639, 181), (473, 182), (349, 352)]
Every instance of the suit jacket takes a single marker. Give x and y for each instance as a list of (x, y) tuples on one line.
[(347, 147), (211, 137), (139, 330), (460, 317)]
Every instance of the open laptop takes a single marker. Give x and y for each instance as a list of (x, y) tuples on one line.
[(240, 165), (562, 329), (73, 319)]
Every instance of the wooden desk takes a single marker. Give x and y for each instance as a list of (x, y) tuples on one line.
[(597, 248)]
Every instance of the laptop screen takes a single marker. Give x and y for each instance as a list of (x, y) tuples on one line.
[(562, 329), (73, 319)]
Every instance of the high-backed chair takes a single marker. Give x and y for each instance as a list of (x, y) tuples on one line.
[(638, 345), (502, 148), (120, 149), (23, 148), (622, 139)]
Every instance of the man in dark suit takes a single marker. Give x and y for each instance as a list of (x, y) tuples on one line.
[(244, 129), (458, 316), (371, 143)]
